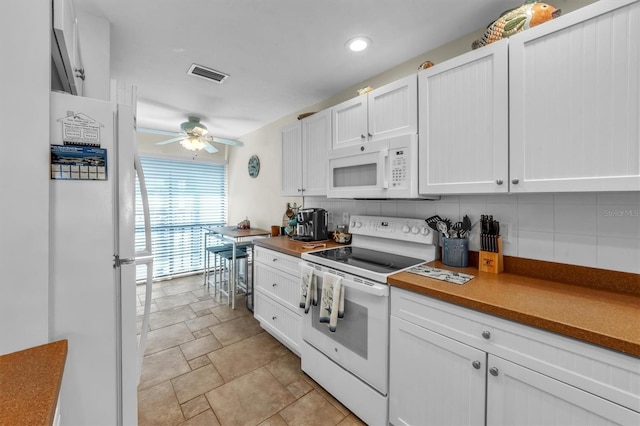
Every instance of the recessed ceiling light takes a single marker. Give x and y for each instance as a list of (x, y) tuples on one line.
[(358, 44)]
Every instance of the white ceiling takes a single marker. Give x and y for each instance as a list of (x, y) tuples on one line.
[(282, 55)]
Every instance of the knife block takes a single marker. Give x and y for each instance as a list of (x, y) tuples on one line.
[(491, 262)]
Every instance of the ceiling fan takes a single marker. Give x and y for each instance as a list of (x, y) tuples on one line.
[(193, 136)]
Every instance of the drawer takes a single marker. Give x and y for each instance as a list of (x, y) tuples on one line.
[(603, 372), (281, 261), (283, 287), (282, 323)]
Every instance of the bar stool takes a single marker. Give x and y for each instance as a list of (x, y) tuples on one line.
[(232, 271), (219, 247)]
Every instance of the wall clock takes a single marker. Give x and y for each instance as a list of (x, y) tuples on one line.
[(254, 166)]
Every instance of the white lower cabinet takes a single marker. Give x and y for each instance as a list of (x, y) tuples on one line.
[(455, 366), (277, 295)]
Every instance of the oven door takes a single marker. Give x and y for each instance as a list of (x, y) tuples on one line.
[(360, 342)]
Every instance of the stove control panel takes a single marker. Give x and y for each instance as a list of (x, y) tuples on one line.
[(397, 228)]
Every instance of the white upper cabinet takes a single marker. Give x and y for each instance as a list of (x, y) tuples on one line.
[(316, 136), (291, 145), (575, 101), (390, 110), (305, 145), (463, 121)]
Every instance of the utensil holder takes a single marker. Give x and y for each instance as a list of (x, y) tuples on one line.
[(455, 252), (491, 262)]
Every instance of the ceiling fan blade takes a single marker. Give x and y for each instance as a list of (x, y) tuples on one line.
[(224, 141), (210, 148), (170, 141), (159, 132)]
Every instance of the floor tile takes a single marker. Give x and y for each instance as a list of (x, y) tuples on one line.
[(199, 347), (175, 300), (158, 405), (162, 366), (199, 362), (182, 288), (170, 316), (203, 419), (167, 337), (225, 313), (250, 399), (242, 357), (234, 330), (195, 406), (299, 388), (287, 369), (312, 410), (276, 420), (199, 305), (202, 322), (352, 420), (195, 383)]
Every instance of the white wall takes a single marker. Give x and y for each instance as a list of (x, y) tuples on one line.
[(24, 173)]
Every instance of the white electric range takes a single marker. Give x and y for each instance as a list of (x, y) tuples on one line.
[(352, 363)]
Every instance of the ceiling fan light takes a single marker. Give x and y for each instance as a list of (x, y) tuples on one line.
[(192, 144)]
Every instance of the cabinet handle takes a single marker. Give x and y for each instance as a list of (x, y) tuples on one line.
[(274, 317), (476, 365), (499, 182), (486, 334), (515, 181), (362, 136), (299, 189), (274, 259), (274, 284), (494, 371), (370, 135)]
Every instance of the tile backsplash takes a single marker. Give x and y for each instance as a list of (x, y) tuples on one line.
[(600, 230)]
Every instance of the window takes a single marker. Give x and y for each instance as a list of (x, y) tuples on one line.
[(184, 196)]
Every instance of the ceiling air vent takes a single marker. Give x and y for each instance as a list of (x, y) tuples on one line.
[(207, 73)]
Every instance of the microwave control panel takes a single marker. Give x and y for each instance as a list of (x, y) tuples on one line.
[(399, 167)]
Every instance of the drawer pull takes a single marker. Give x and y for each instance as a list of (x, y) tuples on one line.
[(274, 317), (274, 259), (274, 284), (494, 371), (486, 334), (476, 365)]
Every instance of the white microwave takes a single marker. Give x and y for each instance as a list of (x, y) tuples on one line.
[(376, 170)]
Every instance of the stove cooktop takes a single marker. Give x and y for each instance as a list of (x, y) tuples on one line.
[(366, 259)]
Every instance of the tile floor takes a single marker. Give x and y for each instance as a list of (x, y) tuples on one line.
[(206, 364)]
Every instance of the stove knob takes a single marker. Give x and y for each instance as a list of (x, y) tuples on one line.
[(358, 224), (353, 224), (406, 229), (415, 229), (424, 230)]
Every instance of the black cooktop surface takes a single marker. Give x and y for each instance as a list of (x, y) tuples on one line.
[(371, 260)]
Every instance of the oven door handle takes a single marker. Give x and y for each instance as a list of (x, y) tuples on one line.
[(380, 290)]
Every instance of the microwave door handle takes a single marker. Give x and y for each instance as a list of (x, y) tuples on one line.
[(384, 157)]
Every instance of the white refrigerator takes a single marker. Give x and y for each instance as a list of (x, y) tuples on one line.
[(92, 292)]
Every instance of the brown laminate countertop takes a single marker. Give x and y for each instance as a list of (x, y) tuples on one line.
[(30, 383), (606, 318), (292, 247)]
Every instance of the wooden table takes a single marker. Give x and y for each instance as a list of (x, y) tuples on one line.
[(238, 238)]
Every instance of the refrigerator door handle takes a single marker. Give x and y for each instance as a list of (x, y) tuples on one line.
[(118, 261)]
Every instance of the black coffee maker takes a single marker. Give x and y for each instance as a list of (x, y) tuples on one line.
[(312, 225)]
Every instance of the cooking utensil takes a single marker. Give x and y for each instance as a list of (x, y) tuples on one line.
[(433, 221), (442, 227)]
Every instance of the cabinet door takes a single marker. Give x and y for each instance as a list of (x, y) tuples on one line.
[(291, 144), (316, 142), (464, 123), (393, 109), (519, 396), (349, 123), (434, 380), (282, 323), (575, 101)]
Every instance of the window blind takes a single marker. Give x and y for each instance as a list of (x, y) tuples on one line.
[(184, 197)]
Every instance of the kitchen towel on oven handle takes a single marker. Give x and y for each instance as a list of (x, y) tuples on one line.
[(308, 287), (331, 301)]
